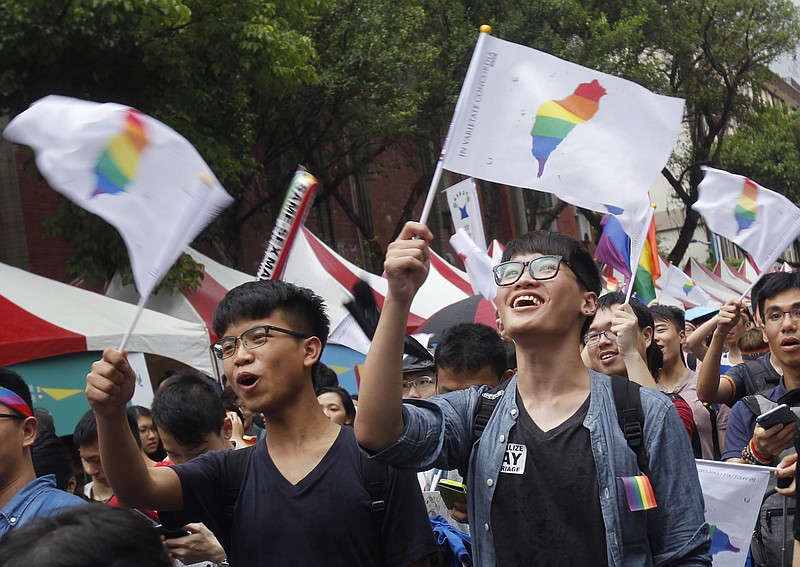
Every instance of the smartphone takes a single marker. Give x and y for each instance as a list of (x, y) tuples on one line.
[(451, 492), (170, 534), (779, 414)]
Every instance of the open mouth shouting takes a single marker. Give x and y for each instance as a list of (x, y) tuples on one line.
[(526, 300), (790, 344), (246, 381)]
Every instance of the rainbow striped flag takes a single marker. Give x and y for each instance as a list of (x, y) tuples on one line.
[(614, 249), (649, 270), (639, 493)]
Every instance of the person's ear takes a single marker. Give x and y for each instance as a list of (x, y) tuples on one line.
[(29, 427), (647, 335), (72, 484), (313, 351), (227, 428), (589, 304)]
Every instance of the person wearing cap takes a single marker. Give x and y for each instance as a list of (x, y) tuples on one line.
[(419, 377), (22, 495)]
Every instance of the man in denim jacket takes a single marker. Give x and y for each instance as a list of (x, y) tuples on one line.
[(548, 481)]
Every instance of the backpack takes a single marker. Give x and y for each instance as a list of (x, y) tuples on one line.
[(757, 377), (697, 447), (770, 541), (630, 415), (374, 476)]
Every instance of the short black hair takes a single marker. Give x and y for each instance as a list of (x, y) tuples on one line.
[(188, 408), (51, 456), (85, 535), (14, 382), (347, 401), (304, 309), (324, 377), (470, 347), (85, 433), (669, 314), (574, 253), (778, 282)]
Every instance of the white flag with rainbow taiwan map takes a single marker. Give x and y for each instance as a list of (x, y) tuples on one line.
[(131, 170), (762, 222), (527, 119)]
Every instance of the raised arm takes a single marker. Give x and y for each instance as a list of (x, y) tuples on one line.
[(626, 326), (710, 387), (379, 420), (109, 387), (696, 342)]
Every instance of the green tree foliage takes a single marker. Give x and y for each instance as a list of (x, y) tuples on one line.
[(766, 148), (197, 65)]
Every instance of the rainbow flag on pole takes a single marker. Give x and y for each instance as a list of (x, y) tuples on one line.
[(649, 270), (614, 249)]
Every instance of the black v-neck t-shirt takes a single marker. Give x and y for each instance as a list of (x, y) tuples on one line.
[(546, 507)]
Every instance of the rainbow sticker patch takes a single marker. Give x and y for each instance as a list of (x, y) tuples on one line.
[(688, 287), (639, 493)]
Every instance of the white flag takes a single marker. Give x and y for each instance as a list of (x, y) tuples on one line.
[(128, 168), (761, 221), (462, 200), (733, 493), (680, 286), (528, 119), (477, 262)]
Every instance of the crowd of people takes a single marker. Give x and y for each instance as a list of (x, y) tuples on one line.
[(574, 427)]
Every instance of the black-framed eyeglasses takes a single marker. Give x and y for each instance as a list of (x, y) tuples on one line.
[(12, 416), (251, 339), (420, 382), (541, 268), (590, 339), (776, 315)]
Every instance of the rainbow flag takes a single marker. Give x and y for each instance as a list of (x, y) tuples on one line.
[(649, 270), (639, 493), (614, 249)]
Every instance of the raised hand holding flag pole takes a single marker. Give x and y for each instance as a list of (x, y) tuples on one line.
[(133, 171)]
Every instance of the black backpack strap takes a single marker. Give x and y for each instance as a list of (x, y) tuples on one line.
[(375, 477), (484, 409), (631, 417), (712, 413), (759, 378), (235, 467)]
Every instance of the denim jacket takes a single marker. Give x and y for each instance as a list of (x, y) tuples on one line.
[(38, 498), (438, 433)]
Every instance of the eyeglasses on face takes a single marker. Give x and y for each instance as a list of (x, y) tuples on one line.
[(541, 268), (251, 339), (420, 383), (775, 315), (592, 338)]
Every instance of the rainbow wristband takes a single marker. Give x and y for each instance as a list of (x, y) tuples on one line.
[(756, 457)]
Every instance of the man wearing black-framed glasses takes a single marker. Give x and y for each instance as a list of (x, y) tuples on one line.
[(22, 495)]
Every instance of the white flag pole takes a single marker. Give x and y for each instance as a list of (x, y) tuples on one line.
[(752, 285), (637, 254), (137, 315), (437, 174)]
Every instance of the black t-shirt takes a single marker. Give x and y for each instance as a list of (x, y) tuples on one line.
[(325, 519), (546, 507)]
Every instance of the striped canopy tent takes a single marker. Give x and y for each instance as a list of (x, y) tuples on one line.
[(52, 332)]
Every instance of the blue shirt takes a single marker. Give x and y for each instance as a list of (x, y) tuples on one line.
[(38, 498), (438, 433), (742, 423)]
